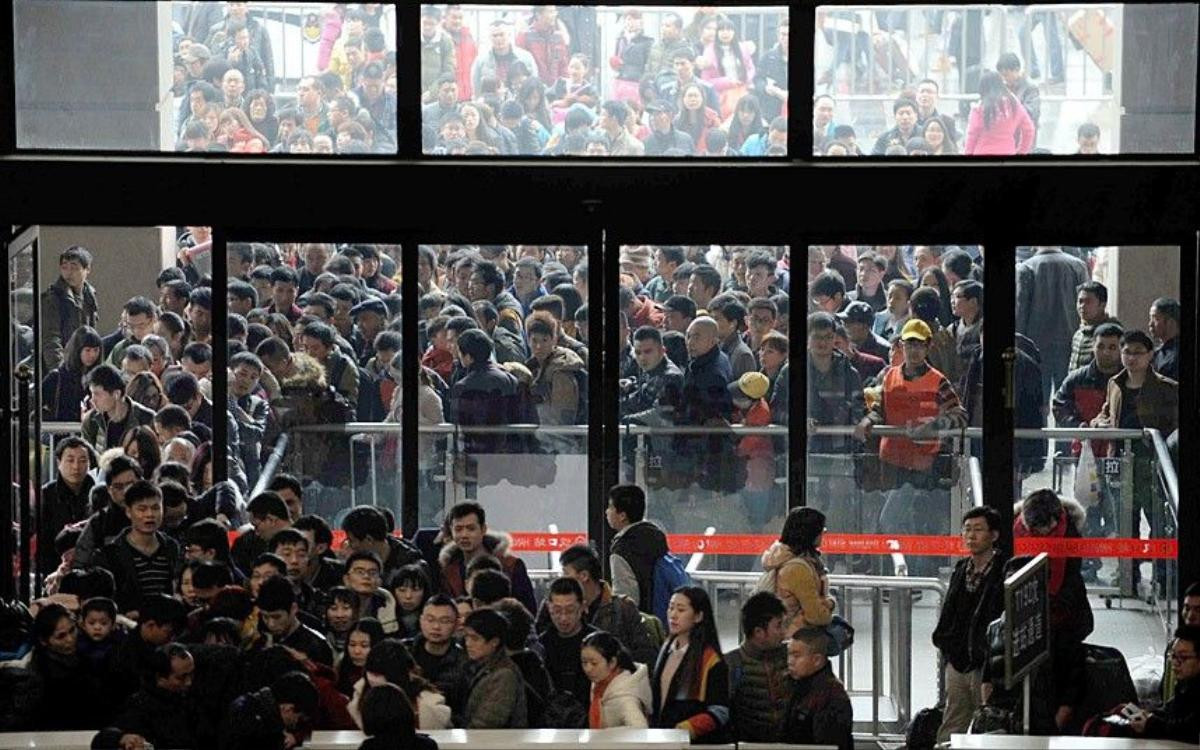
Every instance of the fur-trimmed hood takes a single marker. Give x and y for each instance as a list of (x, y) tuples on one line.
[(496, 543), (1076, 511), (309, 374), (776, 555)]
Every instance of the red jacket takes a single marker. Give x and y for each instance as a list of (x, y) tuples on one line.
[(465, 50), (645, 313)]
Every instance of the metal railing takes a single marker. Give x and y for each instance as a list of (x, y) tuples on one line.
[(869, 53)]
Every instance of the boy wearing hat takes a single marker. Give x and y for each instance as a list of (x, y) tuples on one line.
[(859, 318), (921, 400), (749, 401)]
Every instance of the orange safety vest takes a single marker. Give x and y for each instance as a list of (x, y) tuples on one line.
[(910, 402)]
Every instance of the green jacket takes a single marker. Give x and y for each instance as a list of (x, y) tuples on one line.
[(95, 427), (496, 699), (63, 311), (758, 692)]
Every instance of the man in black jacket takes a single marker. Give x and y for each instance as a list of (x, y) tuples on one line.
[(143, 560), (443, 661), (160, 713), (664, 136), (278, 610), (975, 598), (66, 499), (68, 304), (563, 639), (818, 711)]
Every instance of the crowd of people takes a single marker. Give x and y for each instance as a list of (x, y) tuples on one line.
[(541, 84), (873, 52), (232, 96)]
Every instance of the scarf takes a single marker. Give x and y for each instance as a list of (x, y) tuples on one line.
[(1058, 565), (595, 718)]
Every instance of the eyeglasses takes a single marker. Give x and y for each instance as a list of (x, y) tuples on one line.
[(364, 572), (445, 621)]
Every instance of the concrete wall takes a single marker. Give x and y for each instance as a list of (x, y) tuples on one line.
[(1142, 274), (126, 262), (90, 75)]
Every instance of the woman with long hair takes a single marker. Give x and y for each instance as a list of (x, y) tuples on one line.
[(234, 127), (746, 120), (999, 124), (389, 722), (935, 278), (690, 684), (62, 388), (727, 65), (390, 663), (532, 96), (896, 267), (146, 389), (695, 118), (795, 572), (363, 636), (477, 129), (141, 444), (621, 694), (937, 136)]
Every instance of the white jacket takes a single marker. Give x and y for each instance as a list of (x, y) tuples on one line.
[(627, 699), (432, 711)]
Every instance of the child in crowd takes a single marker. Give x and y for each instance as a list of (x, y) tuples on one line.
[(749, 394), (102, 637)]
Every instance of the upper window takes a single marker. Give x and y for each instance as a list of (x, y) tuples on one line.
[(252, 78), (1008, 80), (607, 81)]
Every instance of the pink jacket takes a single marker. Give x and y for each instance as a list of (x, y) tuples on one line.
[(713, 73), (1001, 138)]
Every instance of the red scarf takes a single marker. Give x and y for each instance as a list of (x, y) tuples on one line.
[(595, 719), (1058, 565)]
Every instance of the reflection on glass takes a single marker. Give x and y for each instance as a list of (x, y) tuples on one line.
[(704, 386), (571, 80), (504, 343), (314, 344), (1004, 80), (894, 368), (247, 78)]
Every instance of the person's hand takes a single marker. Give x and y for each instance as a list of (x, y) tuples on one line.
[(132, 742), (1099, 421), (1137, 722), (289, 740), (1063, 716), (923, 431), (985, 692), (862, 430)]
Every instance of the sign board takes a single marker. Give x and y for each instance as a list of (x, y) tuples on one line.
[(1026, 620)]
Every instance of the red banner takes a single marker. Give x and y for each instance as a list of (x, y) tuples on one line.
[(854, 544)]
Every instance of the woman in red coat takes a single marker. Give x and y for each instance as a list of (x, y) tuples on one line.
[(999, 124)]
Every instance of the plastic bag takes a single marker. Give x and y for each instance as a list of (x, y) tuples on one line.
[(1087, 477)]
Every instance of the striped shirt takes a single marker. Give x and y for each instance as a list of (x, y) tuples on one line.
[(153, 571)]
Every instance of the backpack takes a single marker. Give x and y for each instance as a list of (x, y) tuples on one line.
[(669, 574), (923, 729), (654, 629), (563, 711)]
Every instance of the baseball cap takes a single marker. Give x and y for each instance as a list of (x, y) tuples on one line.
[(753, 385), (916, 330), (858, 312)]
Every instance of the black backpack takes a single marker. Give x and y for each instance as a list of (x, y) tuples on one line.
[(923, 729)]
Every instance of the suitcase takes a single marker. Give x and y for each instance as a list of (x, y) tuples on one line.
[(1096, 35), (1108, 682)]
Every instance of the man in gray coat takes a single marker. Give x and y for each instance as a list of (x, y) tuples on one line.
[(1046, 312)]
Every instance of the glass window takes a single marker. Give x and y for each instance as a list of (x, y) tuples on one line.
[(249, 78), (504, 342), (943, 80), (704, 392), (1098, 349), (604, 81), (125, 354), (314, 341)]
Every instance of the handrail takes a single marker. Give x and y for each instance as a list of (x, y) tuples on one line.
[(976, 474), (271, 466), (1165, 467)]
